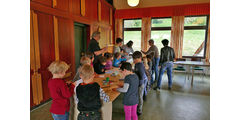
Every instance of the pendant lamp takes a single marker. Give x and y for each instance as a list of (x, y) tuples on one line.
[(133, 3)]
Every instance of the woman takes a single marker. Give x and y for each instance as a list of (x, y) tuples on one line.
[(128, 47)]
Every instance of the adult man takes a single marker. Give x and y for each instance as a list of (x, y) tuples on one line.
[(94, 46), (166, 62), (153, 50)]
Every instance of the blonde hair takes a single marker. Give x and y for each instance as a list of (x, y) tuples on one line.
[(85, 60), (86, 72), (57, 67), (145, 61)]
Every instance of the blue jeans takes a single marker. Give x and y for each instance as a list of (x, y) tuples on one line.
[(60, 117), (155, 69), (166, 66)]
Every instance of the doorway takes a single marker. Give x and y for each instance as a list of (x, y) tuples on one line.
[(80, 36)]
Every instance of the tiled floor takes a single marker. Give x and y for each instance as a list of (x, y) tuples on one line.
[(183, 102)]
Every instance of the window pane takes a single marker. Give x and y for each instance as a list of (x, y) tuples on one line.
[(195, 21), (132, 23), (135, 36), (158, 36), (193, 42), (164, 22)]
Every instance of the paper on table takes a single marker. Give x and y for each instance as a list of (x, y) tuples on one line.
[(101, 76), (109, 71)]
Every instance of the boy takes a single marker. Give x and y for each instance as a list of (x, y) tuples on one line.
[(90, 56), (73, 108), (84, 60), (99, 65), (59, 91), (139, 69), (89, 94)]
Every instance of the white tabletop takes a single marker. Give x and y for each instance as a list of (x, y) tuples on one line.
[(197, 63)]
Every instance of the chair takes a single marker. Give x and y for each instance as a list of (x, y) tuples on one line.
[(198, 68), (180, 68)]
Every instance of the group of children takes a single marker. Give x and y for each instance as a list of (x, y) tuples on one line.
[(88, 95)]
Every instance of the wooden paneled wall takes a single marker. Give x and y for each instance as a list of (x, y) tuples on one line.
[(52, 36)]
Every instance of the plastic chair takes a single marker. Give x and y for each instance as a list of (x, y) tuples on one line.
[(180, 68), (198, 68)]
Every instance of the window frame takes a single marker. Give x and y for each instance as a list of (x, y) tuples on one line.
[(160, 28), (131, 29), (198, 28)]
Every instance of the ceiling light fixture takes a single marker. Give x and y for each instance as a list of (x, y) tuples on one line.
[(133, 3)]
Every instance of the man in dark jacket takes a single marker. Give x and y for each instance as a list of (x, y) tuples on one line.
[(94, 47), (166, 62)]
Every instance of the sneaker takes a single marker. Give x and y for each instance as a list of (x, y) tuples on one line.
[(144, 98), (138, 113), (158, 89)]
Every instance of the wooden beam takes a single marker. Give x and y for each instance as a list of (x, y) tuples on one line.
[(200, 48), (48, 10), (56, 41), (83, 8)]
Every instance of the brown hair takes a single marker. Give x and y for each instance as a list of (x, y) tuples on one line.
[(85, 60), (86, 72), (117, 54), (57, 67)]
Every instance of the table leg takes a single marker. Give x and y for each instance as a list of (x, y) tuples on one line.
[(192, 75), (107, 110)]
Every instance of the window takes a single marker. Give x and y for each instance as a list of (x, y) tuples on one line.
[(132, 31), (195, 36), (161, 29)]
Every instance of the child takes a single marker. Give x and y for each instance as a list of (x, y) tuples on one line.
[(90, 55), (99, 66), (130, 90), (59, 91), (84, 60), (109, 58), (147, 69), (150, 64), (141, 73), (117, 47), (89, 94), (117, 59)]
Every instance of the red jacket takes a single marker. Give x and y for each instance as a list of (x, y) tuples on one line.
[(60, 94)]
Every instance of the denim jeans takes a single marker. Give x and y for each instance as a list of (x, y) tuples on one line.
[(155, 69), (165, 66), (60, 117), (140, 95)]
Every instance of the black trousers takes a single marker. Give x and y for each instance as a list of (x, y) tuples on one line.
[(89, 115)]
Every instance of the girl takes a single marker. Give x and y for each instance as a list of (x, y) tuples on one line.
[(130, 90), (117, 59), (109, 58)]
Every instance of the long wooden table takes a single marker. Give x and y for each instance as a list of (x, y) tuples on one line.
[(114, 81), (193, 64)]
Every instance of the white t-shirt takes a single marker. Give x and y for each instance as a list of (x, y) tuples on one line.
[(75, 95)]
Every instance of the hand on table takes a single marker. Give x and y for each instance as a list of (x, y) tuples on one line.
[(114, 89)]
